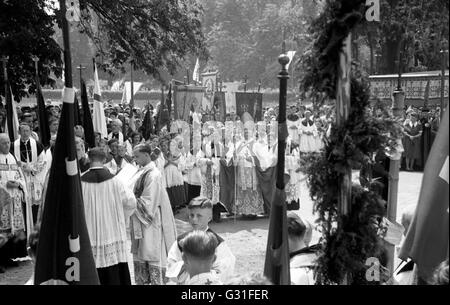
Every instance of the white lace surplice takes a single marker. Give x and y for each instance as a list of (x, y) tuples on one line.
[(108, 206)]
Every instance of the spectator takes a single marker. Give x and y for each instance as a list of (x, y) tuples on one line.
[(199, 248), (440, 276), (303, 256)]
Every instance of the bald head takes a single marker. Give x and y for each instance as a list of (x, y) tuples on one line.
[(5, 143)]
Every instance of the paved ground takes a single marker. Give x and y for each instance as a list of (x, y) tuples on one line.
[(247, 238)]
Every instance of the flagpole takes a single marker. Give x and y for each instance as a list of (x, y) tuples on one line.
[(68, 84), (132, 89), (9, 122), (443, 53), (4, 60)]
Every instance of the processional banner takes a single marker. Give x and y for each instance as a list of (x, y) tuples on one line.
[(249, 105), (187, 98)]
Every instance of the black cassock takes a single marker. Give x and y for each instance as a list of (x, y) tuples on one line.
[(426, 140)]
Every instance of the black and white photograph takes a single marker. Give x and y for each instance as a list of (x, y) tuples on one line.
[(224, 143)]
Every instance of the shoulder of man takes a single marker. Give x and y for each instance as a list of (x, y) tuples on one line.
[(219, 238), (97, 176)]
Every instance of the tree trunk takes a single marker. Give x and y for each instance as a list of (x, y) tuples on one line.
[(370, 42), (390, 52)]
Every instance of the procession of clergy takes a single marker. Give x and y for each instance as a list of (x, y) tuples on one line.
[(132, 188)]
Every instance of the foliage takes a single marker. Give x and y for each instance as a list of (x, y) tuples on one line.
[(156, 34), (416, 28), (245, 37), (348, 239), (26, 30)]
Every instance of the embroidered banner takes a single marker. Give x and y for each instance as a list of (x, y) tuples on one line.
[(249, 105), (185, 99)]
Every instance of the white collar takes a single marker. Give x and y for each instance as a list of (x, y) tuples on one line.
[(97, 167), (204, 277), (151, 165)]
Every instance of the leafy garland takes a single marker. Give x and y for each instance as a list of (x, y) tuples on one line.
[(347, 240)]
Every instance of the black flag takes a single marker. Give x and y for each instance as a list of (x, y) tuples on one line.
[(76, 112), (10, 114), (147, 124), (44, 128), (89, 136), (64, 254)]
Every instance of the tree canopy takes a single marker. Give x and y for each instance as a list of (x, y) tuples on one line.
[(154, 34)]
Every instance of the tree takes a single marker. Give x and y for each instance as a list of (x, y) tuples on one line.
[(245, 37), (26, 30), (155, 34), (415, 29)]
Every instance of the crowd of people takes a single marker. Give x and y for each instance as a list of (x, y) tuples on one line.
[(135, 182)]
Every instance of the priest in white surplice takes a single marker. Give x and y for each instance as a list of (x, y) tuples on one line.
[(15, 218), (108, 205), (152, 226), (30, 156)]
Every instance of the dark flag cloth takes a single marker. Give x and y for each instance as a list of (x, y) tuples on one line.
[(162, 118), (276, 266), (64, 254), (89, 136), (426, 241), (44, 128), (76, 112), (426, 140), (267, 180), (227, 185), (9, 113), (147, 124), (249, 104)]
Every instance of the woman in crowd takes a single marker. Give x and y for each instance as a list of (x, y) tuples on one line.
[(412, 141), (308, 131)]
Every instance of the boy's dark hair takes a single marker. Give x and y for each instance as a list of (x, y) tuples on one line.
[(200, 202), (199, 245), (112, 141), (96, 154), (440, 276)]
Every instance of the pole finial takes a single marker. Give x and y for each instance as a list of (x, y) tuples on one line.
[(283, 59)]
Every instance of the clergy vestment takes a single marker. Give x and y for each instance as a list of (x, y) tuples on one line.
[(108, 205), (16, 215), (153, 228), (32, 159), (249, 200), (223, 266)]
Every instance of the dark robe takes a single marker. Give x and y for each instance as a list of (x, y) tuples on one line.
[(425, 140), (227, 184)]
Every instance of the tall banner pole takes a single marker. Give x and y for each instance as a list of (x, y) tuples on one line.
[(443, 52), (4, 60), (132, 89)]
